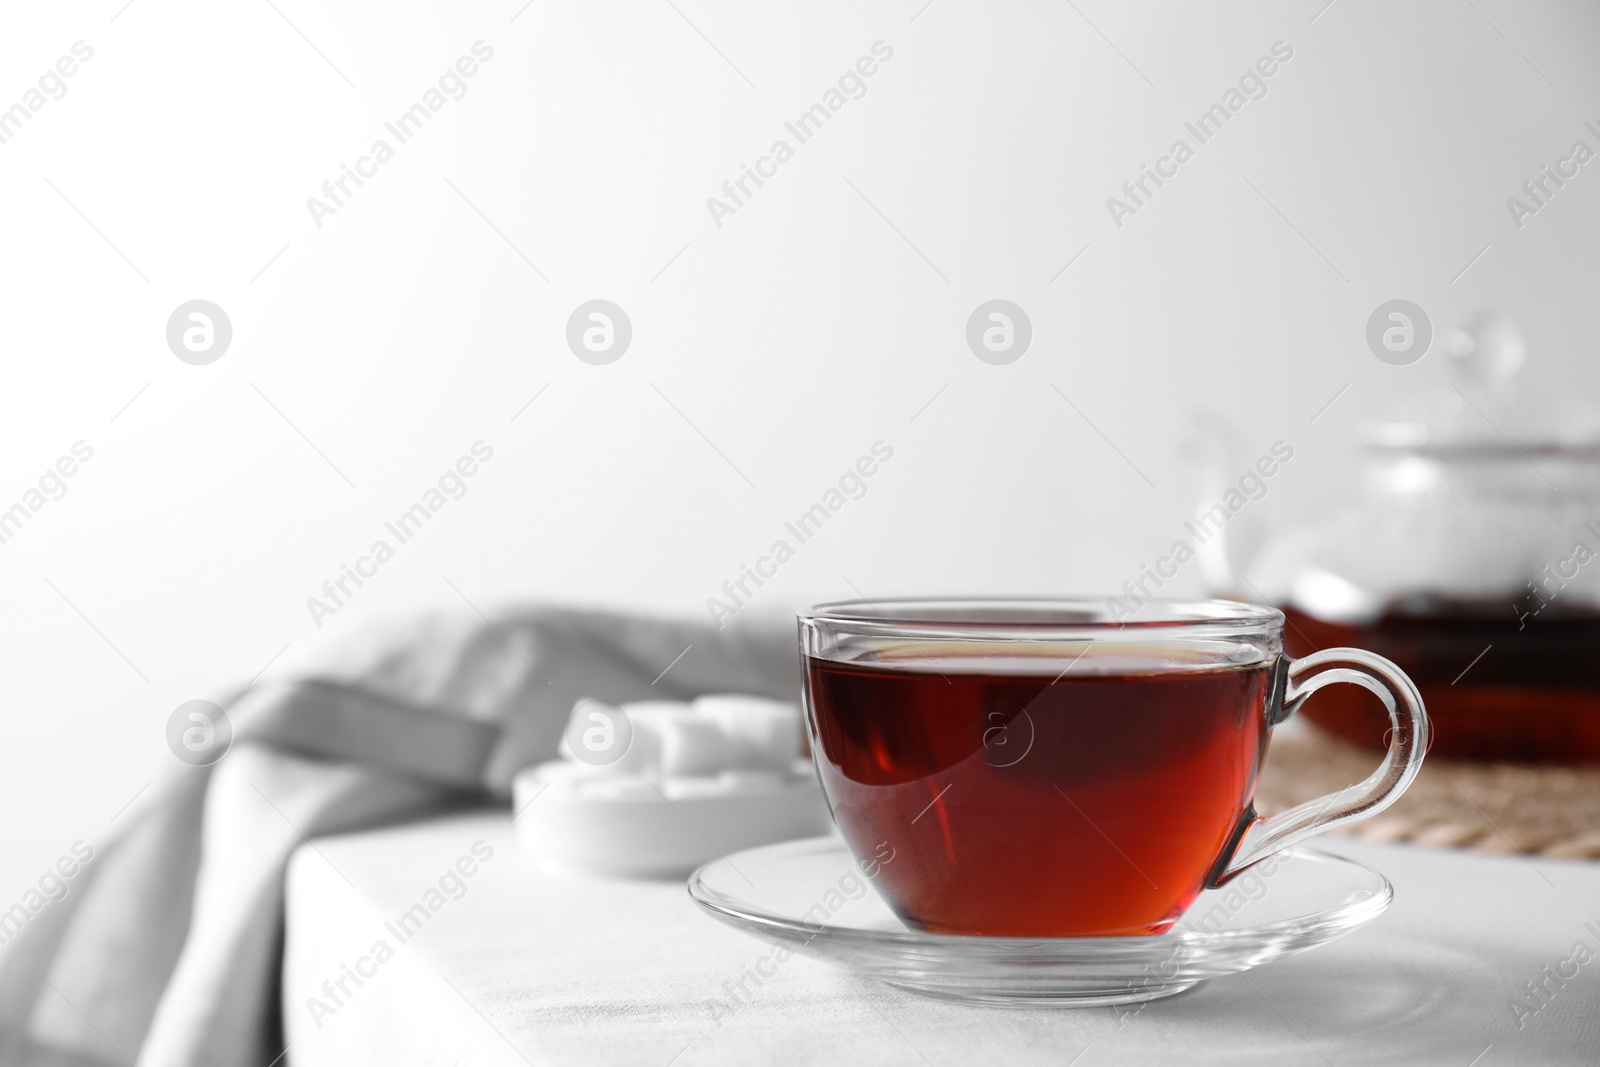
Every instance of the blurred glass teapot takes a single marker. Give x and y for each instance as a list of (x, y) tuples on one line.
[(1471, 558)]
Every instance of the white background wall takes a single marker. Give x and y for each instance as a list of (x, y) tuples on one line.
[(803, 329)]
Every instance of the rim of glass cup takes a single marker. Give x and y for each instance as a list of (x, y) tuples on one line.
[(1039, 618)]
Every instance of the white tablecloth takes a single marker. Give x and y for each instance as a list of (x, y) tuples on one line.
[(512, 965)]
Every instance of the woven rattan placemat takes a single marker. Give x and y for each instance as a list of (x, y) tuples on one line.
[(1502, 808)]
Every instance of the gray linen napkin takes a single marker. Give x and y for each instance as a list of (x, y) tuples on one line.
[(166, 952)]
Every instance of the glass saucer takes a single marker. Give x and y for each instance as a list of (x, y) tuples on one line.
[(815, 898)]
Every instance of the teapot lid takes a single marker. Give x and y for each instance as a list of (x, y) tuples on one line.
[(1486, 411)]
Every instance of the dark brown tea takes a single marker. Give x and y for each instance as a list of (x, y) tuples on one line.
[(1497, 687), (1024, 801)]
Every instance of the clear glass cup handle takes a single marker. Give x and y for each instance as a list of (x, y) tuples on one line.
[(1408, 742)]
